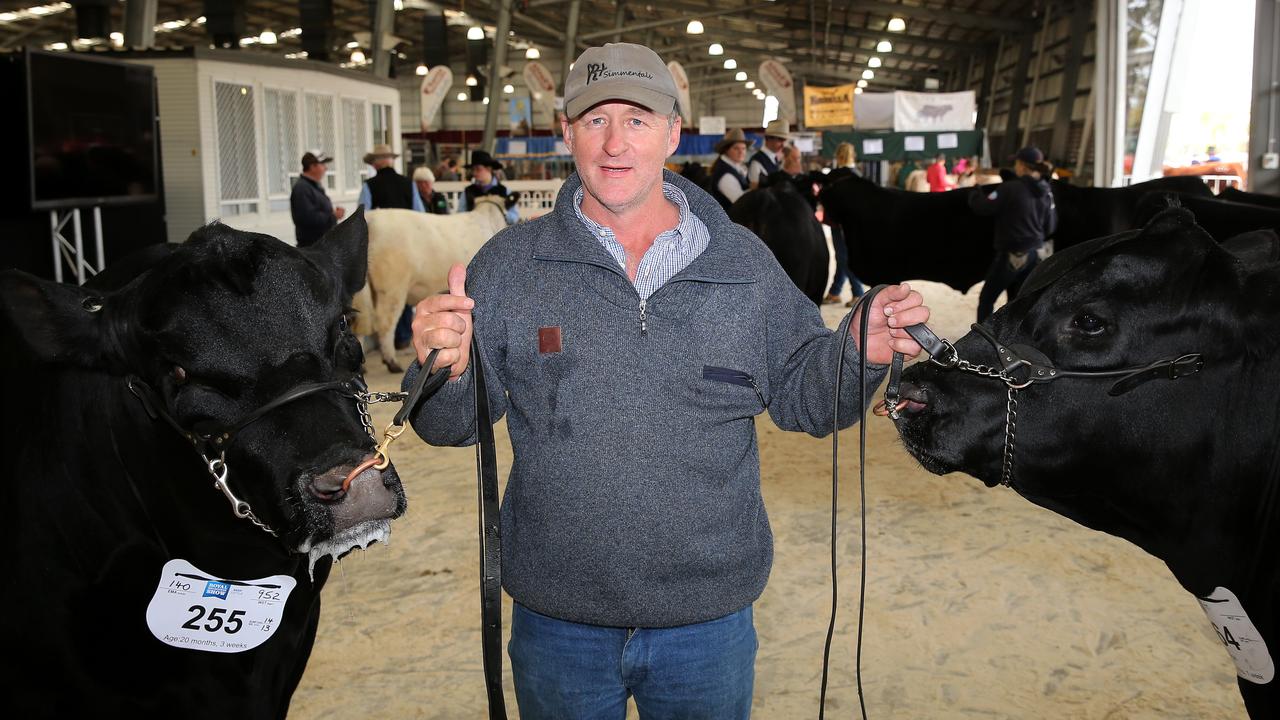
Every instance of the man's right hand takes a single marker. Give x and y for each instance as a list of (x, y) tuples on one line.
[(339, 211), (444, 322)]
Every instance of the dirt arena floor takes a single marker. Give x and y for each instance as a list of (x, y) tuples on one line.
[(978, 603)]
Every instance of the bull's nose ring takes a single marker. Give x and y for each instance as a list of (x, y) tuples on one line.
[(882, 408), (370, 463)]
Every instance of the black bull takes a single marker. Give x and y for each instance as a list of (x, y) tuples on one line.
[(894, 235), (101, 494), (1187, 469), (781, 217)]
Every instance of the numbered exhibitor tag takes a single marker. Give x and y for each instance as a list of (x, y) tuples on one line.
[(196, 611), (1241, 638)]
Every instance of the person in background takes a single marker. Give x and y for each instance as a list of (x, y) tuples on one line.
[(432, 201), (484, 182), (1211, 154), (729, 173), (387, 188), (845, 166), (447, 170), (767, 159), (634, 536), (1025, 217), (937, 174), (313, 213)]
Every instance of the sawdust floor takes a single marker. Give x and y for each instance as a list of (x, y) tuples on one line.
[(978, 603)]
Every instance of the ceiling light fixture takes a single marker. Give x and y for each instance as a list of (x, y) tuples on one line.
[(471, 81), (462, 97), (862, 83), (730, 64), (422, 69), (508, 89), (897, 24), (741, 76), (857, 91), (874, 62), (715, 49), (475, 32), (357, 56), (694, 27), (532, 54), (868, 74), (267, 38), (751, 84), (884, 46)]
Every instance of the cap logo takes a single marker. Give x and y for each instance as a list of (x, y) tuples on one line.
[(600, 71)]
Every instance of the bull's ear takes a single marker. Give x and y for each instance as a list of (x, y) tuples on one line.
[(1255, 249), (1260, 307), (345, 251), (52, 322)]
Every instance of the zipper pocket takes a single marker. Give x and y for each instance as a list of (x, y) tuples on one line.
[(733, 377)]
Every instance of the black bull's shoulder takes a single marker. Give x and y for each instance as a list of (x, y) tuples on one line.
[(781, 217), (1187, 469), (894, 235), (101, 492)]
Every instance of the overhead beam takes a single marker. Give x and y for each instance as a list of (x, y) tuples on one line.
[(952, 17), (683, 19)]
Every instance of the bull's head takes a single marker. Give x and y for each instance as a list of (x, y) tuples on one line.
[(1146, 459), (219, 331)]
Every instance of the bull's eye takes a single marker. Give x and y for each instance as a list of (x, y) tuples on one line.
[(343, 325), (1089, 324), (179, 374)]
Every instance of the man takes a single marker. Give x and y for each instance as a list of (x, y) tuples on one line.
[(387, 188), (1025, 218), (485, 182), (313, 212), (621, 338), (729, 173), (767, 159), (432, 201)]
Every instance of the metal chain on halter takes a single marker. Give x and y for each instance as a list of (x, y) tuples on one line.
[(219, 470), (1010, 420)]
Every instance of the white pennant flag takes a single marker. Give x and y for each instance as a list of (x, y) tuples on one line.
[(682, 90), (435, 85), (542, 86), (777, 79)]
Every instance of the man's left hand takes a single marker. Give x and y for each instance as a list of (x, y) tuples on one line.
[(339, 211), (892, 310)]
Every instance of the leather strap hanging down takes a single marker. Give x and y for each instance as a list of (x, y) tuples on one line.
[(490, 541)]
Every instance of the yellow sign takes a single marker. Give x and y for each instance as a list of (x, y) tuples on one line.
[(826, 106)]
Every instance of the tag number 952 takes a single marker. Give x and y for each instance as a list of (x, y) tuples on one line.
[(218, 619)]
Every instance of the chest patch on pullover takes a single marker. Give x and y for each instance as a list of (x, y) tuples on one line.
[(549, 340)]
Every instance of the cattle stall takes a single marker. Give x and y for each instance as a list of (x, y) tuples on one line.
[(978, 603)]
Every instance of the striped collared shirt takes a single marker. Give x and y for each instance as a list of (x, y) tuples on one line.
[(671, 252)]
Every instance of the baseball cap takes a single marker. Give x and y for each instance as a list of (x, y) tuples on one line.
[(314, 156), (1030, 155), (619, 71)]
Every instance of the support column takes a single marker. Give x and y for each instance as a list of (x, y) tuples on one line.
[(1009, 143), (495, 82), (140, 23), (987, 93), (619, 18), (1148, 156), (1264, 118), (570, 41), (384, 24), (1109, 63), (224, 22), (1035, 80), (1080, 18)]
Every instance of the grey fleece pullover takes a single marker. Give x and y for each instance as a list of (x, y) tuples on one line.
[(634, 494)]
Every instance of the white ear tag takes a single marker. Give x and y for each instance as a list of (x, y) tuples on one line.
[(196, 611), (1237, 633)]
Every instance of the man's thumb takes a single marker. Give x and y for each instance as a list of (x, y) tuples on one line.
[(458, 279)]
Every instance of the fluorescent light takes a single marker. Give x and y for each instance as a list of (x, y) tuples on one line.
[(694, 27), (532, 54), (730, 64), (751, 84), (897, 24), (462, 97), (267, 38), (357, 56), (741, 76), (868, 75), (874, 62), (353, 44), (475, 32), (715, 49), (862, 83), (58, 46), (8, 17), (422, 69), (508, 88), (884, 46)]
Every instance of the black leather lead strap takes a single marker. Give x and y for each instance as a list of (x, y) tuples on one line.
[(490, 541)]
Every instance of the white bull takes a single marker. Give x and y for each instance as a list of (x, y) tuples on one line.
[(409, 258)]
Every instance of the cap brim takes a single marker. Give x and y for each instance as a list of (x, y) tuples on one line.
[(658, 102)]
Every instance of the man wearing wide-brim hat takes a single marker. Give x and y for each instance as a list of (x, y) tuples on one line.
[(483, 182), (387, 188), (768, 159), (621, 334), (729, 173)]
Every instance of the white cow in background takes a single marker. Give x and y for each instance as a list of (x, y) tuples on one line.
[(410, 254)]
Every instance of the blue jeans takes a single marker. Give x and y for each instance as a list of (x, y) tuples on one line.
[(404, 327), (1002, 276), (570, 671)]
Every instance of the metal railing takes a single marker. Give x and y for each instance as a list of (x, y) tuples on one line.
[(537, 197)]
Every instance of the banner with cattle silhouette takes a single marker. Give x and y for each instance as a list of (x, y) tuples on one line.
[(933, 112)]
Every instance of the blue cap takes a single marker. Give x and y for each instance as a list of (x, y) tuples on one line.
[(1030, 155)]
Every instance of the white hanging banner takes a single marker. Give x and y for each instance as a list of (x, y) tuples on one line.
[(777, 80), (873, 111), (682, 90), (542, 86), (933, 111), (435, 85)]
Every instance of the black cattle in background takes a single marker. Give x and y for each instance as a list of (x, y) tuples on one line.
[(104, 494), (781, 217), (1184, 468), (1219, 217), (894, 235), (1249, 198)]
